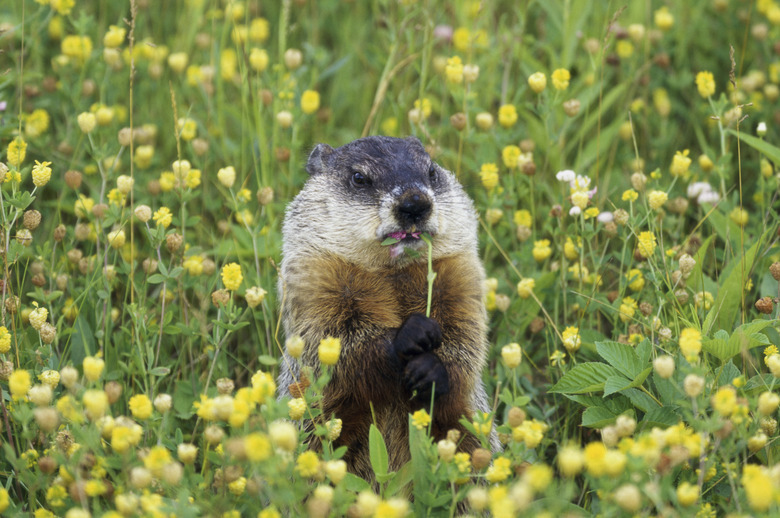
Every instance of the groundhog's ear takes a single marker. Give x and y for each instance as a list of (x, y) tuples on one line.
[(315, 164)]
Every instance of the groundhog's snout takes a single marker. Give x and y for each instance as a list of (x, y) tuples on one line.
[(413, 208)]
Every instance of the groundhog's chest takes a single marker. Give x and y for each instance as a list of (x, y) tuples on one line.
[(348, 298)]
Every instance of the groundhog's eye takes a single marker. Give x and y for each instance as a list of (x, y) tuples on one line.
[(359, 179), (432, 173)]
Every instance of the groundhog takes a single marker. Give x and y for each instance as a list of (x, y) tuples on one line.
[(338, 279)]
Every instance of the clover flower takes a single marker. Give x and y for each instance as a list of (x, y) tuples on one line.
[(421, 419), (41, 173), (560, 79), (329, 350), (163, 217), (571, 339), (232, 276), (507, 115), (310, 101), (538, 82), (646, 244), (705, 83), (488, 173)]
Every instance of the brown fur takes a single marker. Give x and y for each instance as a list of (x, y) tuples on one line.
[(337, 280)]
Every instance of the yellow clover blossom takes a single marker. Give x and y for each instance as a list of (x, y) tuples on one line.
[(499, 471), (507, 115), (541, 250), (140, 406), (560, 79), (310, 101), (421, 419), (571, 339), (538, 82), (630, 195), (329, 350), (163, 217), (488, 173), (525, 287), (232, 276), (656, 199), (454, 70), (627, 309), (663, 19), (690, 342), (705, 83), (17, 150), (680, 163), (19, 383), (636, 280), (510, 155), (646, 244)]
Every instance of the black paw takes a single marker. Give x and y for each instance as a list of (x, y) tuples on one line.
[(418, 335), (425, 374)]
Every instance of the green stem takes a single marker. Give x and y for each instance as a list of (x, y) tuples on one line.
[(431, 273)]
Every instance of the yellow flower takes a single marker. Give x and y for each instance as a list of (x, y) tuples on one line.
[(163, 217), (424, 107), (36, 123), (522, 217), (664, 20), (646, 244), (499, 471), (488, 173), (227, 176), (687, 493), (5, 340), (705, 83), (77, 47), (690, 342), (114, 37), (624, 49), (93, 367), (116, 238), (538, 82), (739, 216), (307, 464), (571, 339), (16, 152), (512, 355), (41, 173), (595, 455), (680, 163), (627, 309), (310, 101), (510, 155), (657, 199), (525, 287), (19, 383), (296, 407), (560, 79), (140, 406), (263, 387), (570, 460), (507, 115), (454, 70), (725, 401), (231, 276), (329, 350), (759, 489), (570, 250), (421, 419), (541, 250), (157, 458), (461, 39), (95, 403), (636, 280), (63, 7), (530, 432)]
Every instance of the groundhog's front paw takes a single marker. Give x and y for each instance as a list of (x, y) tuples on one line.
[(418, 334), (425, 373)]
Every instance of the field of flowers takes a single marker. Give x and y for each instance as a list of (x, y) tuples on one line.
[(624, 165)]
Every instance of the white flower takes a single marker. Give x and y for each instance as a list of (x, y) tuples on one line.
[(605, 217), (567, 175), (696, 188), (708, 197), (580, 183), (761, 129), (575, 211)]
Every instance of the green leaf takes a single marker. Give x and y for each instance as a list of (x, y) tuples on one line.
[(390, 241), (21, 201), (585, 377), (267, 360), (620, 356), (758, 383), (597, 417), (160, 371), (155, 278), (355, 483), (615, 384), (640, 399), (660, 416), (377, 451), (724, 310), (745, 337), (726, 374), (765, 148)]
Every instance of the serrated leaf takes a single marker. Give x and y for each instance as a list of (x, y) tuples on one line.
[(726, 374), (377, 451), (615, 384), (640, 399), (585, 377), (758, 383), (620, 356), (660, 416), (643, 351), (597, 417)]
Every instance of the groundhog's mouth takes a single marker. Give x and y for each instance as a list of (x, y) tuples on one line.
[(402, 235), (403, 239)]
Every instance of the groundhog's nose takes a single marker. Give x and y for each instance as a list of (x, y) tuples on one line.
[(413, 208)]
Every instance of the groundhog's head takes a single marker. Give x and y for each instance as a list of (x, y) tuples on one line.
[(375, 188)]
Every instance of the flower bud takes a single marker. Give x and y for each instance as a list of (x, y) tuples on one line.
[(664, 366), (693, 385)]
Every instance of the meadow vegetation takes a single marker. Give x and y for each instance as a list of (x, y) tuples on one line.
[(623, 160)]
